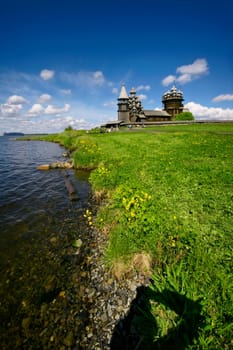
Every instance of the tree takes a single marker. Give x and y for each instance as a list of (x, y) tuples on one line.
[(184, 116), (69, 128)]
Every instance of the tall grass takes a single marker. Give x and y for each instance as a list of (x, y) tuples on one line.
[(170, 196)]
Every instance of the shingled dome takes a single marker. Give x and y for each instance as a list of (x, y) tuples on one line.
[(173, 93)]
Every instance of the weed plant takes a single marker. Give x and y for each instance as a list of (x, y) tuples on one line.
[(170, 195)]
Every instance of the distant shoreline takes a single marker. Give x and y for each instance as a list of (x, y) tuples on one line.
[(13, 134), (22, 134)]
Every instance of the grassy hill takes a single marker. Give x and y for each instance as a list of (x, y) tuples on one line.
[(168, 194)]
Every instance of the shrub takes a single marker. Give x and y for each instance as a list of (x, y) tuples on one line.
[(184, 116)]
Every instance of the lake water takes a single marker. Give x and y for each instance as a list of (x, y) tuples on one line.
[(38, 223)]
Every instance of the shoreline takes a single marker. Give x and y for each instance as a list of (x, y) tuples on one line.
[(110, 299)]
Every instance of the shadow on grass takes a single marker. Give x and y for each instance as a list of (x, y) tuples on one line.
[(140, 330)]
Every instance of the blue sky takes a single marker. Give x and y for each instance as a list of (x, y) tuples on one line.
[(63, 62)]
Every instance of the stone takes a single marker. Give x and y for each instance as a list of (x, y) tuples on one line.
[(65, 154), (43, 167), (69, 339), (77, 243)]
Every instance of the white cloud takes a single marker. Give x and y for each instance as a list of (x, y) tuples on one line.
[(56, 124), (66, 91), (11, 111), (50, 109), (187, 73), (17, 89), (212, 113), (44, 98), (47, 74), (198, 67), (221, 98), (60, 123), (143, 87), (142, 97), (84, 79), (184, 78), (168, 80), (110, 104), (36, 110), (86, 117), (16, 100), (98, 78), (115, 90)]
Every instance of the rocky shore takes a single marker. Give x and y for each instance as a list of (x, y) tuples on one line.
[(109, 299), (60, 295)]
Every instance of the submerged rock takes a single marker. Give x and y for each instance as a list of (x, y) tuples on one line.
[(57, 165)]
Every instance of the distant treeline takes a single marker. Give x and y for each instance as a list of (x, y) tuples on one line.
[(13, 134)]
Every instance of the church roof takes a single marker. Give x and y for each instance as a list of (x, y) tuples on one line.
[(123, 92), (111, 123), (173, 93), (155, 113)]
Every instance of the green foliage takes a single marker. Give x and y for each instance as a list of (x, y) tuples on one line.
[(87, 154), (69, 128), (184, 116), (95, 130), (171, 196)]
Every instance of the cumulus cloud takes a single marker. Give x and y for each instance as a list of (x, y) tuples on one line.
[(184, 78), (50, 109), (10, 110), (168, 80), (47, 74), (36, 109), (212, 113), (198, 67), (16, 100), (56, 124), (44, 98), (187, 73), (143, 87), (12, 107), (142, 97), (60, 123), (221, 98)]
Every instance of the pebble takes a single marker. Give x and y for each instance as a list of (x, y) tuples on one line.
[(110, 298), (69, 339)]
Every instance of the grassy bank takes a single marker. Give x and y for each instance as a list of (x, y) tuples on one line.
[(167, 209)]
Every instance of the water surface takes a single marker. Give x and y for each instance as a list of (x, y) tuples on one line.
[(38, 224)]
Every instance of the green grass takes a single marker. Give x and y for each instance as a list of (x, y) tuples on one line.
[(170, 194)]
